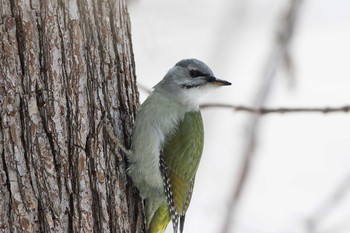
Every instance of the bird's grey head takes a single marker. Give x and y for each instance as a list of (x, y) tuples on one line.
[(188, 81)]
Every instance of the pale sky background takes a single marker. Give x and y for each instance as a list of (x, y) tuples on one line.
[(301, 159)]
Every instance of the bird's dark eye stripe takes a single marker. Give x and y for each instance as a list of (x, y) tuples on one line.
[(196, 73), (189, 86)]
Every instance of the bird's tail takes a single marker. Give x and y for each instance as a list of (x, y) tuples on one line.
[(159, 219)]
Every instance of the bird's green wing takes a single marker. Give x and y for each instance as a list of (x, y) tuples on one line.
[(182, 153)]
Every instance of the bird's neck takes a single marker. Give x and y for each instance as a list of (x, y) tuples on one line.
[(181, 100)]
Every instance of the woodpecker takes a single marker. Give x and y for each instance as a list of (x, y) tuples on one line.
[(167, 143)]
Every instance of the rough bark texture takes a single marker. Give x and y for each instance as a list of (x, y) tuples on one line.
[(65, 67)]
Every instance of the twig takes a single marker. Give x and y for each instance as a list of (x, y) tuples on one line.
[(264, 111), (282, 110)]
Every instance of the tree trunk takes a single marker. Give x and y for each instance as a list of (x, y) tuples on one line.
[(66, 67)]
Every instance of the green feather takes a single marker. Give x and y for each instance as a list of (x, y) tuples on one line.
[(182, 154)]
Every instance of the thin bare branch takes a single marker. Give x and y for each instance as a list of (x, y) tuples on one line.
[(282, 110), (263, 110)]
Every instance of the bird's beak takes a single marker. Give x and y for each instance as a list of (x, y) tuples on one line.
[(218, 82)]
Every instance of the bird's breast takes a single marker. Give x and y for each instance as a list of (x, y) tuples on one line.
[(157, 118)]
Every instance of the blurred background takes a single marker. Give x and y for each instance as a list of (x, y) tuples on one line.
[(272, 173)]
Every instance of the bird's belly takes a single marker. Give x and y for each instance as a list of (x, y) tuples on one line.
[(147, 178)]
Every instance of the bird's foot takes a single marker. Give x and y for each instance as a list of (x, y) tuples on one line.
[(117, 145)]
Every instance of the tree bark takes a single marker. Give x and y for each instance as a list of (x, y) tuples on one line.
[(66, 67)]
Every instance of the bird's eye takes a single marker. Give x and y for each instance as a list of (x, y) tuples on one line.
[(196, 73)]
